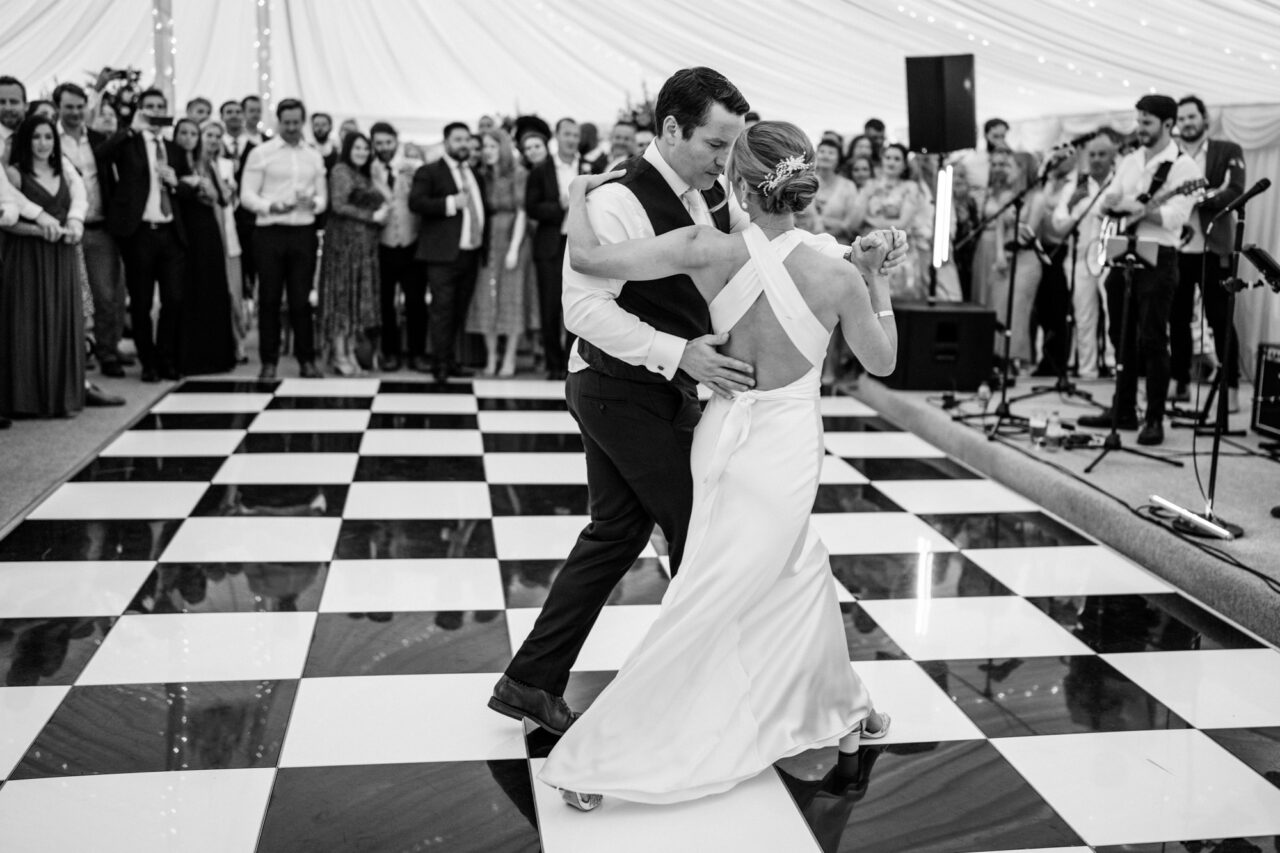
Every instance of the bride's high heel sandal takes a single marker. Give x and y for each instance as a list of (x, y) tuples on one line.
[(582, 802), (850, 742)]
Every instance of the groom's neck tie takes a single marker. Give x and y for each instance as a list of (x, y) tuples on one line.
[(697, 206)]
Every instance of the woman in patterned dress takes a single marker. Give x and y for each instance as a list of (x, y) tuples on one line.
[(349, 267), (498, 307)]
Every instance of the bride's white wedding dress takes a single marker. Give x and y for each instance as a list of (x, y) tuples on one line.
[(747, 662)]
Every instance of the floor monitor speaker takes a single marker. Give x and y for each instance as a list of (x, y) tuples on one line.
[(942, 347)]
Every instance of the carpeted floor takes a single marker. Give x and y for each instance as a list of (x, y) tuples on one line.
[(1248, 485)]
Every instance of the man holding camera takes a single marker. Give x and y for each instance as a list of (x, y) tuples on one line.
[(140, 213), (1141, 180)]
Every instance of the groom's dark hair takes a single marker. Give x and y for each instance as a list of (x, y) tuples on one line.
[(687, 97)]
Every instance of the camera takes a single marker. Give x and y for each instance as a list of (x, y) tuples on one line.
[(122, 90)]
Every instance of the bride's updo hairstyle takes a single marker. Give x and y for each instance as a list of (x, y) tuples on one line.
[(775, 158)]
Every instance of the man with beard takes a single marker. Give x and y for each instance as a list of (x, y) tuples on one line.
[(622, 144), (321, 130), (13, 109), (1222, 163), (449, 197), (1156, 166)]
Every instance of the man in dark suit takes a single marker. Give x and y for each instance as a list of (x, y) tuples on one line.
[(142, 216), (546, 200), (1223, 165), (452, 240), (84, 147)]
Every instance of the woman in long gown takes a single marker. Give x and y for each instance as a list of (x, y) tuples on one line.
[(991, 259), (498, 309), (747, 661), (41, 302), (207, 343), (349, 276)]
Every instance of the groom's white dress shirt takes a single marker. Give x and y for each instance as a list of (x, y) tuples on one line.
[(590, 308)]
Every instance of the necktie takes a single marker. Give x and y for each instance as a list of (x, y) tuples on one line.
[(391, 176), (473, 204), (166, 208), (696, 205)]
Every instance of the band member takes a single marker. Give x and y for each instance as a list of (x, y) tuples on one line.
[(1136, 192), (1222, 163), (1081, 203)]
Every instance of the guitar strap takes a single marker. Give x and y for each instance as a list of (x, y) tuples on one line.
[(1157, 180)]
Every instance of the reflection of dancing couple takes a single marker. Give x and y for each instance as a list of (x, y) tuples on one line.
[(746, 663)]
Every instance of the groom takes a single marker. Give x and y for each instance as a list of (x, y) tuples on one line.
[(632, 386)]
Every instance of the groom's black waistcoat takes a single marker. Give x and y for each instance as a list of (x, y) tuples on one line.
[(672, 305)]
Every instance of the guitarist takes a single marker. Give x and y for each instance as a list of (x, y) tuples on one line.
[(1133, 194), (1223, 165)]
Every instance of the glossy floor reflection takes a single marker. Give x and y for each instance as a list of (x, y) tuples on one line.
[(269, 618), (202, 726)]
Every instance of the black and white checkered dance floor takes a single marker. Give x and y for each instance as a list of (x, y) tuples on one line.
[(268, 618)]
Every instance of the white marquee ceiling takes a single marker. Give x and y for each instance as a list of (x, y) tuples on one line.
[(821, 63)]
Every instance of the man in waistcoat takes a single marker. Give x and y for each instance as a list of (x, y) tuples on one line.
[(632, 384)]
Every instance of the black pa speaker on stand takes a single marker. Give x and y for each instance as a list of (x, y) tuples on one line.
[(940, 103)]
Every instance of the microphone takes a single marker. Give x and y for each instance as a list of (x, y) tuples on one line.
[(1257, 189)]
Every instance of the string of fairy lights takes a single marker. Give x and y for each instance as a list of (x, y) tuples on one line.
[(1250, 61), (164, 49)]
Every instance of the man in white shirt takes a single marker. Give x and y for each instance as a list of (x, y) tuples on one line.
[(82, 147), (1143, 190), (1082, 200), (284, 185), (393, 172)]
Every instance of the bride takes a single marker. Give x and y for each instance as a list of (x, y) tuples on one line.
[(746, 663)]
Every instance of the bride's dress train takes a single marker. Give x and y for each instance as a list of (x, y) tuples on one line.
[(747, 662)]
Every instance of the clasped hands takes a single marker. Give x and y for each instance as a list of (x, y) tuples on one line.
[(879, 252)]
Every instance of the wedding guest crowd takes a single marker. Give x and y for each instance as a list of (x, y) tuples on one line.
[(356, 252)]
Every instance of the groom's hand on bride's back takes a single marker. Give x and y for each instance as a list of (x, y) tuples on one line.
[(723, 375)]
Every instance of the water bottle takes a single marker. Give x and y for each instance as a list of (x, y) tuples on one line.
[(1054, 434)]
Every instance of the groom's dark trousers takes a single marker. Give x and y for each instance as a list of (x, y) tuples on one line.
[(637, 431)]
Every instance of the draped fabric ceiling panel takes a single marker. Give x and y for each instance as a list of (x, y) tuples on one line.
[(1049, 66)]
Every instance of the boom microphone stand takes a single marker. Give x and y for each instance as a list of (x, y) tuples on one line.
[(1002, 408), (1064, 386), (1129, 261), (1192, 523)]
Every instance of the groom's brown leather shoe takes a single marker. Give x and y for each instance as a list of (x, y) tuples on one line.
[(521, 701)]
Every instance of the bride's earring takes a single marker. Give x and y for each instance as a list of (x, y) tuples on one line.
[(741, 192)]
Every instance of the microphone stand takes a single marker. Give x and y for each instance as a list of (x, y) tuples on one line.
[(1194, 526), (1130, 261), (1064, 386), (1002, 409)]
